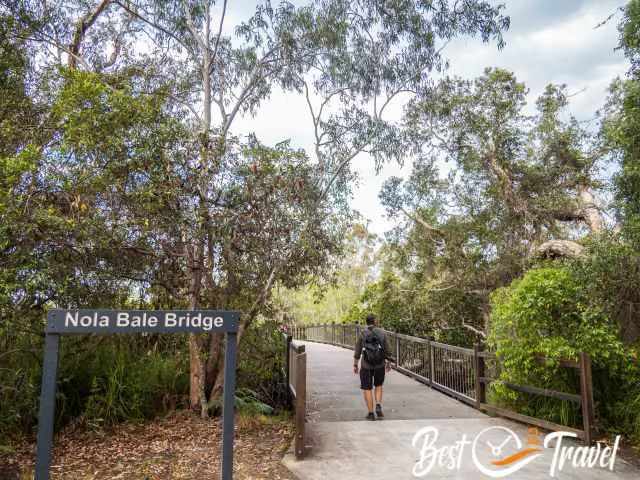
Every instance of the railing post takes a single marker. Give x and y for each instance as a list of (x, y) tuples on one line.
[(288, 367), (586, 396), (397, 350), (301, 398), (333, 333), (431, 364), (478, 367)]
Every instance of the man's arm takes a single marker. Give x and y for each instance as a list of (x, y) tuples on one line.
[(357, 351), (387, 349)]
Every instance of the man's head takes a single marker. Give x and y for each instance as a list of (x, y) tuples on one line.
[(371, 319)]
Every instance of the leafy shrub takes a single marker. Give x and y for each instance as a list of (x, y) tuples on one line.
[(610, 274), (101, 380), (106, 379), (249, 402), (549, 312), (420, 309), (261, 364)]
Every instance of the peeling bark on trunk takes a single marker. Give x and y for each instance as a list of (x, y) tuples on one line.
[(591, 211), (584, 209), (560, 249)]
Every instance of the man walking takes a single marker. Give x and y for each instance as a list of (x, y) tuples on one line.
[(373, 346)]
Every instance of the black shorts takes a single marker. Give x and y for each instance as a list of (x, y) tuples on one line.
[(370, 377)]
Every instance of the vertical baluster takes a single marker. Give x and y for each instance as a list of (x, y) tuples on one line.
[(445, 370), (454, 380), (425, 359), (436, 365), (457, 370)]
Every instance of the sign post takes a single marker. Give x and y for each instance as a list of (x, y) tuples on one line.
[(69, 322)]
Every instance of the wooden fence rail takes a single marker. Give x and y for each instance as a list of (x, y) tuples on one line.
[(462, 372)]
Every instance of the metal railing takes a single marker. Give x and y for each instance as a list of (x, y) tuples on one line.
[(461, 372), (296, 374), (444, 367)]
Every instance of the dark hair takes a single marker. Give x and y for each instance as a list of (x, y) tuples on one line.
[(371, 319)]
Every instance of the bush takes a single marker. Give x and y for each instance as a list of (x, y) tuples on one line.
[(101, 380), (549, 312), (419, 309), (106, 379), (261, 364), (610, 274)]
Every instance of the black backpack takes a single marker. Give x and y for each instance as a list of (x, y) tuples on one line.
[(373, 350)]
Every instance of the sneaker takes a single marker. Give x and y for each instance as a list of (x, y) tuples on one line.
[(371, 416), (379, 411)]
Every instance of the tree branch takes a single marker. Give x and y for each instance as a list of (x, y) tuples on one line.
[(81, 29), (474, 330), (215, 46), (153, 25), (421, 221)]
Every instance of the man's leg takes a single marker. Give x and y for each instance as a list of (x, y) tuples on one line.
[(378, 380), (366, 385), (379, 394), (368, 399)]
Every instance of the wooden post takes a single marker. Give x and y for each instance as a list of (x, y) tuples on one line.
[(288, 367), (431, 365), (397, 350), (586, 396), (479, 372), (301, 399), (333, 333)]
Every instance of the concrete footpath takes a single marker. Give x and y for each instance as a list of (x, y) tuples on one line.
[(463, 441)]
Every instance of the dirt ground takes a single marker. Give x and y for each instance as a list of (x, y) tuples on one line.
[(182, 446)]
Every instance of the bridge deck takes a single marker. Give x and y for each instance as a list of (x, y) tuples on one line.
[(346, 446)]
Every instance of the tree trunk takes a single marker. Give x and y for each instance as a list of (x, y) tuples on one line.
[(592, 214), (560, 249)]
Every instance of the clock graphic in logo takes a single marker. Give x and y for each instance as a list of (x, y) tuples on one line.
[(497, 441)]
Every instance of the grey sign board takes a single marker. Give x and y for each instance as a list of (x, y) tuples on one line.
[(69, 322), (135, 321)]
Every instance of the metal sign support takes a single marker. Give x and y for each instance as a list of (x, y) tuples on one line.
[(62, 322)]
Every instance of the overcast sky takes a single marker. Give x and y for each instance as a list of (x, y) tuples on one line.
[(549, 41)]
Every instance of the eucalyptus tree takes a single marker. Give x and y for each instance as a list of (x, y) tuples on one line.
[(621, 126), (518, 185), (210, 218)]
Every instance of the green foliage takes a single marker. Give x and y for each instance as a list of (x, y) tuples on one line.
[(610, 274), (621, 127), (329, 298), (515, 181), (102, 380), (248, 401), (261, 366), (406, 307), (549, 311)]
